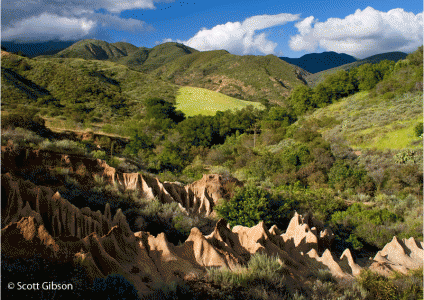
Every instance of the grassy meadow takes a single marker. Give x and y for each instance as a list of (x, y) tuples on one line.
[(198, 101)]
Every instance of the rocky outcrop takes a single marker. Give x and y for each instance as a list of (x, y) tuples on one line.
[(198, 198), (307, 234), (399, 255)]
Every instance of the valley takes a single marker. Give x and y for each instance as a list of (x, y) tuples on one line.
[(172, 173)]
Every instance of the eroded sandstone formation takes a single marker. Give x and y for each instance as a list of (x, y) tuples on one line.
[(399, 255), (198, 198), (37, 220)]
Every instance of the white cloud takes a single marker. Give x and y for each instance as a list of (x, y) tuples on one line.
[(49, 27), (362, 34), (240, 38), (67, 19)]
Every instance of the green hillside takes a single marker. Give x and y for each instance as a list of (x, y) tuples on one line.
[(245, 77), (145, 59), (78, 90), (197, 101), (248, 77), (96, 49), (140, 59), (15, 86), (379, 124), (314, 79)]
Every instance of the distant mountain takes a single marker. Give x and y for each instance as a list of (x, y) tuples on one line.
[(97, 49), (137, 58), (317, 62), (36, 49), (145, 59), (315, 78)]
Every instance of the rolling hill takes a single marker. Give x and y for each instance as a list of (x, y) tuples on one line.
[(96, 49), (197, 101), (88, 89), (317, 62), (243, 77), (248, 77), (314, 79), (145, 59)]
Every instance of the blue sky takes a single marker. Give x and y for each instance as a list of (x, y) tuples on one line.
[(283, 28)]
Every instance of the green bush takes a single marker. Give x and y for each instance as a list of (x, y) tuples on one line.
[(378, 286), (343, 176), (359, 224), (418, 129), (357, 214), (251, 204), (99, 154)]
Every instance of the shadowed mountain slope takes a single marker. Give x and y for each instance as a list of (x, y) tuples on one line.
[(36, 49), (317, 62)]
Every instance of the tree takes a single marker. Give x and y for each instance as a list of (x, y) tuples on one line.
[(301, 99), (251, 204), (160, 109), (321, 96), (278, 113), (339, 85), (138, 141), (367, 77)]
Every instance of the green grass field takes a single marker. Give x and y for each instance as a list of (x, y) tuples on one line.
[(198, 101)]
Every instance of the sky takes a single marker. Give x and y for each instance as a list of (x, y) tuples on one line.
[(283, 28)]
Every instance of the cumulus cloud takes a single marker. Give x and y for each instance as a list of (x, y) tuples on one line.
[(49, 27), (67, 19), (361, 34), (240, 38)]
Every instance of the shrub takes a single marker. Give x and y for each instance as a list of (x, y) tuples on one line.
[(99, 154), (38, 269), (325, 275), (261, 270), (418, 129), (343, 176), (20, 136), (251, 204), (114, 286), (407, 156), (167, 291), (378, 286), (65, 146)]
